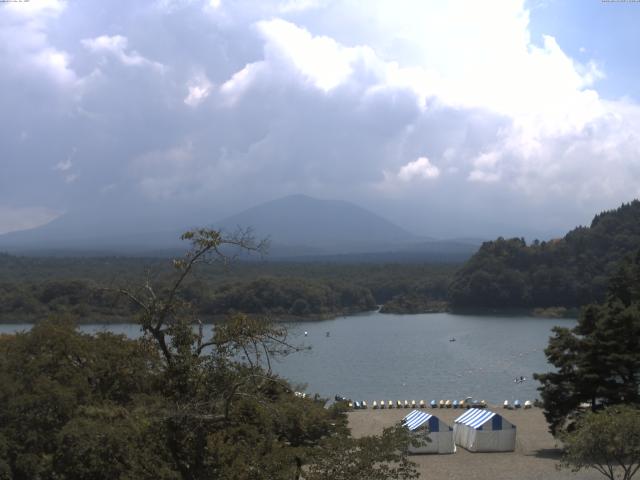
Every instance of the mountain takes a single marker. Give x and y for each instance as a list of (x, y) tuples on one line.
[(299, 228), (73, 234), (569, 272), (310, 226), (297, 225)]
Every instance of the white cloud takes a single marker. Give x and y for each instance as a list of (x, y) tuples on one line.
[(482, 176), (537, 96), (199, 89), (116, 45), (234, 88), (25, 46), (64, 165), (317, 97), (56, 62), (36, 8), (22, 218), (421, 168), (289, 6), (321, 60)]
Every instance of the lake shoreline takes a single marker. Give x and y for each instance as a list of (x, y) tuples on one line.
[(373, 355), (546, 313)]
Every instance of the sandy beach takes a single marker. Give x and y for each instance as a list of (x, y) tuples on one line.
[(535, 457)]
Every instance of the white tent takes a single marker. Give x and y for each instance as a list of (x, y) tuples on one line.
[(480, 430), (437, 436)]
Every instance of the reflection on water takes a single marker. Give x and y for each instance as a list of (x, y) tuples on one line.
[(378, 356)]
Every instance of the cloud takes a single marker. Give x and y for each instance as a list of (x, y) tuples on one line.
[(35, 9), (421, 168), (72, 177), (23, 218), (320, 59), (366, 102), (290, 6), (25, 46), (199, 89), (116, 45), (64, 165)]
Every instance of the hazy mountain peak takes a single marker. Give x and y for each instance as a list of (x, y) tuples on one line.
[(304, 220)]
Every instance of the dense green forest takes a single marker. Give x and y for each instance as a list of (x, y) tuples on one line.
[(505, 273), (569, 272), (174, 404), (31, 288)]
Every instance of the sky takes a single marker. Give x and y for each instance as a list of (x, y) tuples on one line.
[(461, 118)]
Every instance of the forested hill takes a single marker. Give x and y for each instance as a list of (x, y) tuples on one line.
[(570, 272)]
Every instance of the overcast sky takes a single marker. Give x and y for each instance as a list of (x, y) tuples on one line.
[(474, 118)]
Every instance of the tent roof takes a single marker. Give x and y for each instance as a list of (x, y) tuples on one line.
[(415, 419), (475, 417)]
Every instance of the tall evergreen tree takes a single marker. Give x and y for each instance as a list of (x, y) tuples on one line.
[(597, 361)]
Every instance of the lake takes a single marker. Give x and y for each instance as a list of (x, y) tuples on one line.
[(376, 356)]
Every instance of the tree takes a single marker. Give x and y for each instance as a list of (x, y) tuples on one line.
[(607, 441), (175, 404), (597, 361), (564, 272), (49, 379), (383, 457)]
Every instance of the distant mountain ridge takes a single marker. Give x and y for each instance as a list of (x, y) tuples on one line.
[(569, 272), (332, 225), (301, 223), (298, 227)]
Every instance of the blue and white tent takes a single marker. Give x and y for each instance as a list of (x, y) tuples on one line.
[(480, 430), (424, 425)]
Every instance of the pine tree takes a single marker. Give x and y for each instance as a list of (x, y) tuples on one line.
[(597, 361)]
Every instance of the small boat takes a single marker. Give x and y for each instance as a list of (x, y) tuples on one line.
[(306, 333), (356, 404), (433, 404), (390, 404), (399, 404), (483, 404), (422, 405), (447, 404), (350, 404), (516, 404), (441, 403), (340, 398), (506, 404), (452, 339), (363, 404), (382, 404), (455, 404), (374, 405), (406, 404), (528, 404)]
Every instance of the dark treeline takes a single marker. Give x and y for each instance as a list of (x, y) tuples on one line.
[(32, 288), (505, 273), (570, 272)]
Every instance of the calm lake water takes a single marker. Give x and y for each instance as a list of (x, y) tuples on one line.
[(376, 356)]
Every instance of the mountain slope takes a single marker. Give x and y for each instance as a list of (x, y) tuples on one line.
[(330, 225), (570, 272), (297, 225)]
